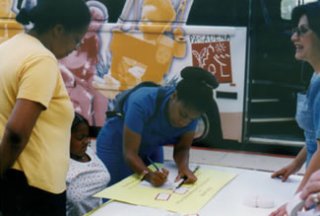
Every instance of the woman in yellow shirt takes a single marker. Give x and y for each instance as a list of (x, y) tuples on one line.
[(36, 112)]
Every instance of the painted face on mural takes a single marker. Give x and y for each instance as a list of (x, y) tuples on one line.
[(157, 16), (97, 18)]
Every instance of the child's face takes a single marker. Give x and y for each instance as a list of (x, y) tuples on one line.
[(79, 140)]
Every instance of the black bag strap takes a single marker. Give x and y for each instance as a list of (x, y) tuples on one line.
[(129, 92), (160, 98), (118, 111)]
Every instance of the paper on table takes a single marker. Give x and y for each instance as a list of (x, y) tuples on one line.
[(169, 184), (209, 183), (121, 209)]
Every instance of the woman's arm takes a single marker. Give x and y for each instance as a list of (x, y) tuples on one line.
[(17, 131), (313, 166), (181, 157), (131, 145), (293, 167)]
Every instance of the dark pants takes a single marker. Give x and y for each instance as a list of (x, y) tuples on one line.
[(17, 198)]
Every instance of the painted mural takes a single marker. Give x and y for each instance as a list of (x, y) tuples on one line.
[(81, 66), (147, 38), (149, 35), (150, 41), (8, 25)]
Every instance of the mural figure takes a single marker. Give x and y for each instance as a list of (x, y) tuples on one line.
[(80, 67), (147, 40), (8, 25)]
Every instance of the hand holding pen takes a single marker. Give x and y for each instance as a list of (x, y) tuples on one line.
[(186, 177), (158, 177)]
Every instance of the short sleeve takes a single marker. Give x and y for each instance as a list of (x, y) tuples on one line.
[(38, 80), (139, 107)]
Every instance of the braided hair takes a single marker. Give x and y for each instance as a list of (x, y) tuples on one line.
[(73, 15), (195, 89)]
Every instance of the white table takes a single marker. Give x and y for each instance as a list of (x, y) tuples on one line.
[(229, 201)]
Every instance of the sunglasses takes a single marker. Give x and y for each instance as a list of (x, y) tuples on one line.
[(302, 30)]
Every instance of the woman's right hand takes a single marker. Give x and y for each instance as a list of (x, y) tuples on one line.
[(285, 172), (311, 191), (157, 178), (281, 211)]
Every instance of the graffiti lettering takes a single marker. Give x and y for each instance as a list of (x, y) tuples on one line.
[(209, 38)]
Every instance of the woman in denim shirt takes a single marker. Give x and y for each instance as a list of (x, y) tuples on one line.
[(306, 39), (130, 143)]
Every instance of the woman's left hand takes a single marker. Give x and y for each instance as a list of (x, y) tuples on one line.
[(188, 174)]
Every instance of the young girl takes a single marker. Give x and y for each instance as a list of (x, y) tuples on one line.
[(87, 175)]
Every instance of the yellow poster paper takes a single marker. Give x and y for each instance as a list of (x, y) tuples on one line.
[(188, 199)]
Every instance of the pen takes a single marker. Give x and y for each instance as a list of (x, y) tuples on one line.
[(179, 183), (153, 164)]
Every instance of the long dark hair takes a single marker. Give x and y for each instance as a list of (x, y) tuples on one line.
[(195, 89), (73, 15)]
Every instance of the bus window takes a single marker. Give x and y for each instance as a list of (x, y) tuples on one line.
[(288, 5)]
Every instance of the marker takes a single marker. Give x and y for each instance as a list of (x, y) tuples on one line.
[(179, 183), (153, 164)]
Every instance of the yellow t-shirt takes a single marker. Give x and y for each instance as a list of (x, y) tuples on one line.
[(30, 71)]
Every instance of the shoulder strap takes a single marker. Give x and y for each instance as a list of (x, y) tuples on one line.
[(161, 93), (124, 98), (160, 97)]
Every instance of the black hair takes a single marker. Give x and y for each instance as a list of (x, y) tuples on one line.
[(73, 15), (78, 119), (195, 89), (312, 11)]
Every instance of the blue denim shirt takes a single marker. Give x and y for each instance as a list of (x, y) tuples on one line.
[(308, 115)]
